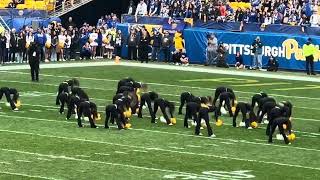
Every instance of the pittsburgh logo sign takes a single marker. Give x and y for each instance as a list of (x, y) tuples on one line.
[(289, 50)]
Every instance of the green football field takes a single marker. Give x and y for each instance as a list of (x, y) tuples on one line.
[(38, 143)]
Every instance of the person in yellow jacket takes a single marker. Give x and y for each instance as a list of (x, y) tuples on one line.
[(308, 52), (178, 41)]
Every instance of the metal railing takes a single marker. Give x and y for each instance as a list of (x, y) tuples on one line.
[(67, 7), (4, 24)]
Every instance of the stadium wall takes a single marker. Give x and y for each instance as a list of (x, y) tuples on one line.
[(286, 48)]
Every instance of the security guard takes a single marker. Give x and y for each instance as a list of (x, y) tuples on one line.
[(308, 52)]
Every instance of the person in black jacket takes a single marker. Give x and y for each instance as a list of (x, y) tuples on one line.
[(13, 45), (132, 44), (21, 49), (157, 37), (3, 51), (273, 64), (248, 115), (144, 46), (147, 99), (87, 109), (34, 61), (280, 122)]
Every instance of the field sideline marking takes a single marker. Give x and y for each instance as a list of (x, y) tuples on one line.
[(145, 148), (169, 85), (101, 162), (29, 176), (200, 69)]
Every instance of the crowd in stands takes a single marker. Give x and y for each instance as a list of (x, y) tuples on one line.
[(292, 12)]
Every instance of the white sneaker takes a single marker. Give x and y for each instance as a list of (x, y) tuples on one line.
[(250, 128), (212, 136), (200, 134), (201, 128), (187, 64), (170, 124), (16, 109)]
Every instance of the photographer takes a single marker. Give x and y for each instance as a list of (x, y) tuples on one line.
[(211, 51), (221, 59), (273, 64)]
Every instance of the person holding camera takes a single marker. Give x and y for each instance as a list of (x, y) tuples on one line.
[(257, 53), (211, 51)]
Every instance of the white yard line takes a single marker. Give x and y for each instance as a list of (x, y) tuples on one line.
[(24, 161), (102, 154), (120, 152), (6, 163), (171, 133), (146, 148), (28, 176), (35, 110), (43, 159), (193, 146), (85, 156), (94, 162), (174, 147), (141, 151), (228, 143)]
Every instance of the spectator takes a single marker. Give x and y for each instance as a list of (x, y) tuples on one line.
[(273, 64), (48, 46), (156, 38), (54, 44), (13, 46), (40, 40), (184, 60), (93, 39), (86, 51), (70, 23), (3, 51), (21, 49), (257, 51), (239, 15), (141, 10), (60, 47), (314, 19), (144, 45), (119, 40), (239, 61), (132, 44), (180, 58), (166, 43), (67, 45), (131, 8), (178, 41), (211, 51)]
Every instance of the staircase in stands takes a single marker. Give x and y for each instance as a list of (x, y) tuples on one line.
[(64, 9)]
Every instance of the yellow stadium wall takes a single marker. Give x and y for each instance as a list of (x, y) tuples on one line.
[(31, 4)]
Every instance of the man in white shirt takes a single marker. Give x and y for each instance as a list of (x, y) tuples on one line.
[(141, 10)]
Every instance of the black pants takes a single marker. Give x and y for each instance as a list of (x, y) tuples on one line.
[(63, 98), (118, 51), (227, 104), (310, 64), (12, 54), (203, 114), (244, 116), (280, 127), (166, 52), (266, 108), (42, 56), (7, 94), (163, 110), (143, 54), (84, 110), (111, 113), (185, 97), (190, 113), (132, 52), (34, 67), (2, 55), (143, 102)]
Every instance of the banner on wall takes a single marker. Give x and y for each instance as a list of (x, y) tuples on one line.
[(286, 48)]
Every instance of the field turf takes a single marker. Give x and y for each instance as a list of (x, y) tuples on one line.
[(38, 143)]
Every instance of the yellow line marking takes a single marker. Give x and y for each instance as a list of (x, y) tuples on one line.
[(298, 88), (260, 84)]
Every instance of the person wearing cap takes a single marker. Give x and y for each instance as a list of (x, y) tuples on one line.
[(257, 53), (308, 51)]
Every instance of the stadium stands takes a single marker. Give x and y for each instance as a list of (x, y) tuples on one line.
[(47, 5)]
